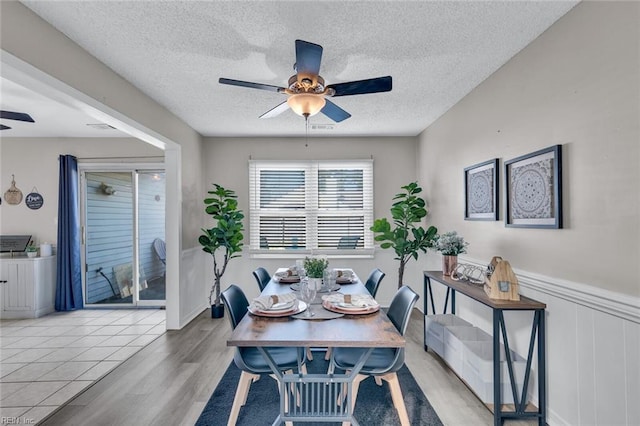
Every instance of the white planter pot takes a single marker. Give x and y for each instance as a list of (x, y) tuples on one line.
[(315, 283)]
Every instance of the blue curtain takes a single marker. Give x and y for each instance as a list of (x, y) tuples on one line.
[(69, 277)]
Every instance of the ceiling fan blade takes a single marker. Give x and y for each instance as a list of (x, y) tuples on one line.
[(361, 87), (20, 116), (3, 127), (334, 112), (273, 112), (308, 57), (251, 85)]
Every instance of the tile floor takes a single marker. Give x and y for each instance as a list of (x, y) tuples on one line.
[(44, 362)]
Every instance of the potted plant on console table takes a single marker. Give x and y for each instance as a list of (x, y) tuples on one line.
[(224, 239), (450, 244)]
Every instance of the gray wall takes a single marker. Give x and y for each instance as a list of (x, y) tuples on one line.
[(576, 85), (394, 166)]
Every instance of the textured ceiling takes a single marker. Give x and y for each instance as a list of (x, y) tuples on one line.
[(52, 119), (175, 52)]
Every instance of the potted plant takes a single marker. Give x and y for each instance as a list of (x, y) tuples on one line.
[(407, 238), (450, 244), (314, 267), (224, 241), (32, 250)]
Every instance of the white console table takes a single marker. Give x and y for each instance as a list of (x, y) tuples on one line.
[(27, 287)]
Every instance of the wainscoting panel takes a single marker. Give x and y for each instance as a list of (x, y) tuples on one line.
[(632, 379), (609, 357), (593, 348), (585, 356), (561, 316), (193, 297)]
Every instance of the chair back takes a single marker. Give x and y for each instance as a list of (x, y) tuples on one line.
[(160, 247), (348, 241), (262, 277), (401, 306), (373, 282), (236, 303)]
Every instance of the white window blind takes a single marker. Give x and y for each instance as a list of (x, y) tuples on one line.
[(311, 207)]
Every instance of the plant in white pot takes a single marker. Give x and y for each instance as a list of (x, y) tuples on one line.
[(314, 267), (32, 250), (224, 241), (407, 238)]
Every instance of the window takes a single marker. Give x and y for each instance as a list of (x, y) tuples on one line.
[(311, 207)]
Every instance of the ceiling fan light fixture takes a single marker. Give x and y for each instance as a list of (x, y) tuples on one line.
[(306, 104)]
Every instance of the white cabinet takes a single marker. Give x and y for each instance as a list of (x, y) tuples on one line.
[(27, 287)]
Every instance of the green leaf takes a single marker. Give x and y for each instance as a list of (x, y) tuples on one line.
[(406, 236)]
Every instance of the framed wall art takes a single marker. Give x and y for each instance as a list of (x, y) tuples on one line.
[(481, 191), (534, 189)]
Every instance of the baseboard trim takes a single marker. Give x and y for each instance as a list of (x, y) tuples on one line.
[(616, 304)]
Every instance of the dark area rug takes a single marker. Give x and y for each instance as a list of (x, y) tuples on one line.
[(373, 406)]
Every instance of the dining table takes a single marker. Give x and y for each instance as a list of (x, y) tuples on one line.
[(306, 397)]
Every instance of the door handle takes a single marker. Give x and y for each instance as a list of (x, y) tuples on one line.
[(3, 281)]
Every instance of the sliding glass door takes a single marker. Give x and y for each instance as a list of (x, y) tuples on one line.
[(123, 237), (151, 251)]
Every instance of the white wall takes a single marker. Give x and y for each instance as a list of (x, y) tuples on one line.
[(576, 85), (394, 165), (34, 162), (31, 40)]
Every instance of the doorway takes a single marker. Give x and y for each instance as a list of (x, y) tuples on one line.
[(123, 236)]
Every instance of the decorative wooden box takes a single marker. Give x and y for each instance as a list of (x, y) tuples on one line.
[(503, 283)]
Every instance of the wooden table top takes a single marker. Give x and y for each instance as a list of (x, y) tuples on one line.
[(371, 330), (476, 292)]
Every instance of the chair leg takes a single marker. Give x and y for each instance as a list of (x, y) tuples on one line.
[(254, 378), (378, 380), (327, 355), (286, 401), (241, 395), (354, 393), (309, 354), (396, 397)]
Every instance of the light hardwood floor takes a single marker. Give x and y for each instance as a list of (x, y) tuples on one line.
[(170, 381)]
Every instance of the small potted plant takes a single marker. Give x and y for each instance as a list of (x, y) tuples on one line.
[(314, 267), (450, 244), (32, 250)]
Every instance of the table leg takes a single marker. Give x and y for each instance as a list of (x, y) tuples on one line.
[(542, 367), (497, 399)]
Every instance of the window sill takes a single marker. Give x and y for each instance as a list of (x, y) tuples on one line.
[(297, 254)]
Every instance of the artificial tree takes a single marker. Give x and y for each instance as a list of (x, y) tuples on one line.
[(407, 237), (224, 239)]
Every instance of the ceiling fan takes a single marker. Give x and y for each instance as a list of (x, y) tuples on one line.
[(19, 116), (307, 91)]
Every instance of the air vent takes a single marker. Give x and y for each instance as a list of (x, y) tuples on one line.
[(101, 126), (322, 127)]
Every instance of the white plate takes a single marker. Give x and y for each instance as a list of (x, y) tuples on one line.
[(281, 306), (349, 306), (300, 307)]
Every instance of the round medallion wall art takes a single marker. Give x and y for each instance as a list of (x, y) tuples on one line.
[(532, 185), (480, 192)]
